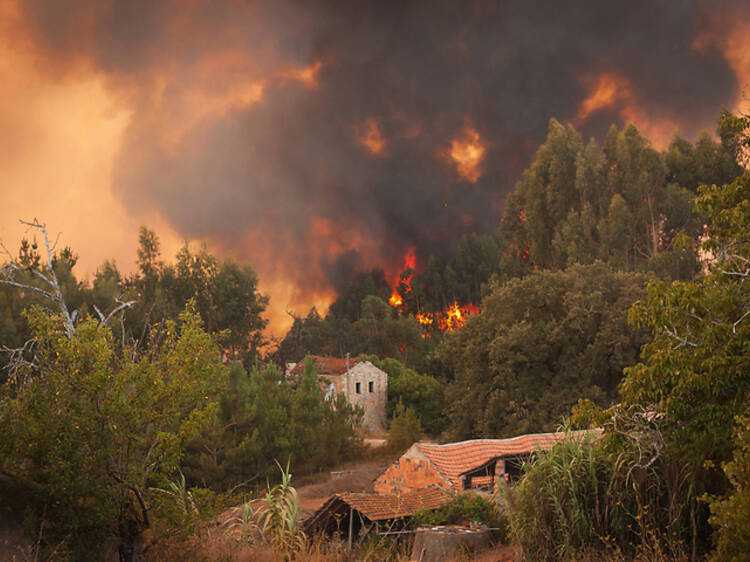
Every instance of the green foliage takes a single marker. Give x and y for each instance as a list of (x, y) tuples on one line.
[(730, 515), (624, 202), (539, 345), (559, 506), (279, 512), (422, 393), (695, 375), (587, 415), (225, 292), (463, 507), (405, 429), (262, 416), (610, 497), (697, 368), (88, 425)]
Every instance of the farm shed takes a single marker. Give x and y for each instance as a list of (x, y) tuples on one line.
[(354, 515)]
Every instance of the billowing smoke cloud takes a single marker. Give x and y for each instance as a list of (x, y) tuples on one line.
[(319, 138)]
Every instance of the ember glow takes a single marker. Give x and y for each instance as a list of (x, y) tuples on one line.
[(450, 319), (453, 317), (402, 286), (467, 152), (611, 91), (606, 89), (317, 140), (370, 137)]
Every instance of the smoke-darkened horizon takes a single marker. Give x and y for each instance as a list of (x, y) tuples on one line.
[(318, 139)]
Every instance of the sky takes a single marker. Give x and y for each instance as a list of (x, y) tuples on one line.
[(316, 139)]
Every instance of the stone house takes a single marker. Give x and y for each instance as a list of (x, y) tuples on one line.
[(361, 382)]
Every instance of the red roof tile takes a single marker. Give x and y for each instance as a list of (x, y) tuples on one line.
[(326, 365), (454, 459), (379, 507)]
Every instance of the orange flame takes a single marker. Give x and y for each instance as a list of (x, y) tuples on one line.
[(404, 280), (467, 152), (410, 260), (606, 91), (449, 320), (612, 90)]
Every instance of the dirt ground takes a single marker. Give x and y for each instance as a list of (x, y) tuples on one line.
[(356, 478)]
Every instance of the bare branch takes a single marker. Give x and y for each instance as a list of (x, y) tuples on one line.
[(123, 306), (56, 294), (98, 313), (42, 292), (683, 341), (740, 319), (17, 362)]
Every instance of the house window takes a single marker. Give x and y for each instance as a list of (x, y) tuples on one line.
[(370, 386), (359, 391)]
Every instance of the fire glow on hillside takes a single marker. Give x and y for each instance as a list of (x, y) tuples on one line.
[(250, 124), (453, 317)]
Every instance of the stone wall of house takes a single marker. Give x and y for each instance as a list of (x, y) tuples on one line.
[(366, 386), (409, 474)]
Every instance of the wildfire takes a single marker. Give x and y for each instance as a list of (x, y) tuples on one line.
[(607, 90), (410, 260), (448, 320), (611, 90), (467, 152)]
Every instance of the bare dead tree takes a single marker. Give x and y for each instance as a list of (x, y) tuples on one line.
[(50, 289), (22, 359)]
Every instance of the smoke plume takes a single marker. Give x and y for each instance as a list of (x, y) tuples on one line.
[(321, 138)]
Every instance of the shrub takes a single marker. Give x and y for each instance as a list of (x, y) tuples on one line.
[(405, 429), (556, 508), (730, 515)]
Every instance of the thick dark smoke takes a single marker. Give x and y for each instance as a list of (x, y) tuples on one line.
[(285, 182)]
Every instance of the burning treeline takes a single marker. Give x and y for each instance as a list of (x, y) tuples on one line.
[(319, 139), (452, 317)]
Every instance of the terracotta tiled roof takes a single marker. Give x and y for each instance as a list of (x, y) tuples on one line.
[(454, 459), (378, 507), (326, 365)]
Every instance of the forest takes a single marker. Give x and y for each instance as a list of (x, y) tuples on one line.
[(613, 293)]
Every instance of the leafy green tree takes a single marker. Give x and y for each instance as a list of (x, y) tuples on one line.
[(263, 417), (348, 305), (382, 332), (405, 429), (730, 515), (697, 368), (225, 291), (89, 426), (539, 344), (422, 393)]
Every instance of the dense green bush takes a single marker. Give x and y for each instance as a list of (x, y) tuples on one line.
[(262, 417), (730, 515), (463, 507)]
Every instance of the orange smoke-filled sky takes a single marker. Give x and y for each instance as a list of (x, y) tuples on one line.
[(315, 139)]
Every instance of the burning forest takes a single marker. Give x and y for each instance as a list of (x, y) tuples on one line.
[(260, 238), (319, 140)]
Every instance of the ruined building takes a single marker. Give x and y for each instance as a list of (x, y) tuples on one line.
[(361, 382)]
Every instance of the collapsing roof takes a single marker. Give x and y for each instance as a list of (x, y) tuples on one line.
[(373, 508)]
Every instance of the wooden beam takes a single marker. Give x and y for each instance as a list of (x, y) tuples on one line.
[(351, 526)]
